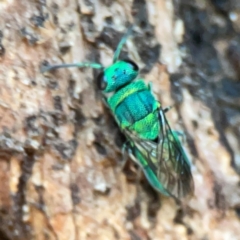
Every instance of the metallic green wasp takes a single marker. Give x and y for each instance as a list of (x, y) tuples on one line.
[(152, 144)]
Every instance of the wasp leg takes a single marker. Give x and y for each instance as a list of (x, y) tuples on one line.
[(104, 99), (180, 134), (125, 155), (127, 152), (138, 175), (139, 196), (165, 110), (150, 86)]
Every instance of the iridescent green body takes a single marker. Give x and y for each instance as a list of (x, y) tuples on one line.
[(143, 122), (152, 144), (135, 108)]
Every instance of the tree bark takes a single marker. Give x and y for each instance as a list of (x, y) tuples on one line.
[(60, 149)]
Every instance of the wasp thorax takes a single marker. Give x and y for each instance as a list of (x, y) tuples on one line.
[(117, 75)]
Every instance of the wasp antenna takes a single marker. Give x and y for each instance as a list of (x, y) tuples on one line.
[(121, 43), (46, 68)]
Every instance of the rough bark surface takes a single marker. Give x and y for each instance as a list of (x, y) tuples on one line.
[(60, 149)]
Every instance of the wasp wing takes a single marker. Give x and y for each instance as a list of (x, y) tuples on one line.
[(174, 169), (166, 158)]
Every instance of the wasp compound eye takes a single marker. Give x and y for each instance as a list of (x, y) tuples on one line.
[(101, 83), (133, 64)]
